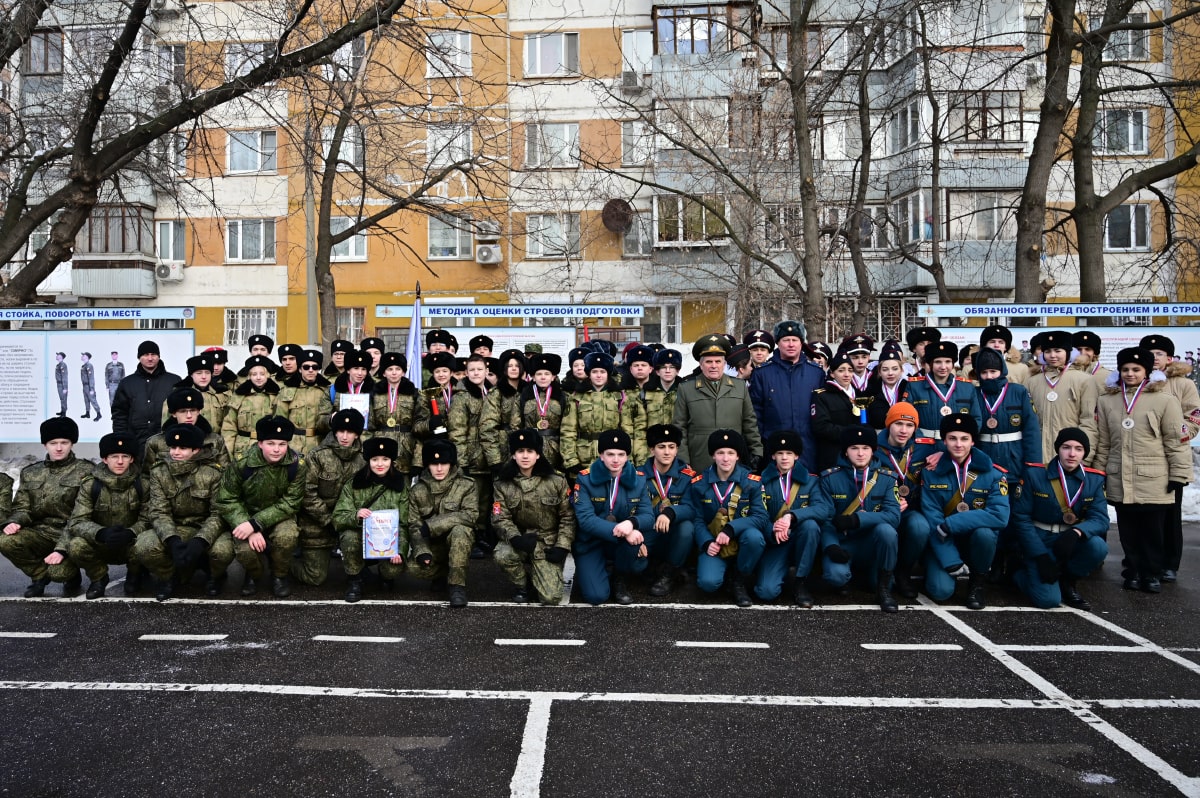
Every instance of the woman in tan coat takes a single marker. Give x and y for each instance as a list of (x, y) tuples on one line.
[(1142, 444)]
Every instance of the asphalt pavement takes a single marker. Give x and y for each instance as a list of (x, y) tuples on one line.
[(683, 696)]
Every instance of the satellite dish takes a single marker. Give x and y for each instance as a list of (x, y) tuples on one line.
[(617, 215)]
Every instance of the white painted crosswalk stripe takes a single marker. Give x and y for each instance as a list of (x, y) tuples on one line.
[(356, 639), (188, 638)]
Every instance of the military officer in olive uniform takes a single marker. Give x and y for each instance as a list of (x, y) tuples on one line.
[(710, 401)]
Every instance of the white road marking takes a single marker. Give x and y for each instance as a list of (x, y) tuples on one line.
[(537, 641), (1133, 637), (568, 580), (189, 638), (1080, 648), (717, 644), (527, 776), (27, 634), (1147, 703), (912, 646), (356, 639)]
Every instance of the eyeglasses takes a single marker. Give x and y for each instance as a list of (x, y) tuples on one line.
[(307, 367)]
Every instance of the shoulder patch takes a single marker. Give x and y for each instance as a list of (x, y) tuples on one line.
[(832, 470), (1035, 465), (915, 378), (697, 478), (686, 471), (1000, 468), (819, 390), (1095, 471), (583, 472), (754, 477), (962, 379), (639, 472), (926, 441)]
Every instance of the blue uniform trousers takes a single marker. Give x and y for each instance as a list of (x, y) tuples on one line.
[(914, 536), (674, 546), (976, 547), (591, 557), (710, 571), (871, 551), (1087, 556), (801, 549)]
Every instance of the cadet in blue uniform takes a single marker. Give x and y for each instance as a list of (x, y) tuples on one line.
[(667, 480), (731, 520), (905, 455), (796, 507), (939, 393), (1060, 516), (613, 512), (1011, 434), (965, 500), (862, 534)]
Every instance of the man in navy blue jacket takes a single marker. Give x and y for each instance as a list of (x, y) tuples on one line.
[(781, 389)]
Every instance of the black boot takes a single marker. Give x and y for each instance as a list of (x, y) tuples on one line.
[(523, 593), (1071, 597), (458, 596), (96, 588), (741, 594), (800, 595), (904, 585), (620, 591), (248, 586), (883, 591), (37, 588), (354, 589), (212, 588), (280, 587), (165, 588), (133, 580), (73, 585), (663, 581), (975, 599)]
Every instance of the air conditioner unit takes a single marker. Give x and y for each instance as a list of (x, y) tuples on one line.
[(488, 254), (169, 272), (487, 231), (632, 81), (769, 75)]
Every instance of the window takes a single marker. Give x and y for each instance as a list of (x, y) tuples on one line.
[(449, 54), (170, 240), (448, 144), (913, 217), (551, 235), (638, 240), (252, 151), (91, 46), (122, 229), (449, 238), (1126, 44), (1127, 227), (171, 150), (700, 123), (345, 61), (250, 239), (242, 57), (351, 325), (1120, 130), (692, 30), (637, 48), (773, 41), (787, 227), (906, 126), (552, 145), (241, 323), (43, 54), (172, 63), (354, 247), (685, 220), (985, 116), (637, 143), (660, 324), (552, 54), (991, 211), (873, 227), (350, 150), (158, 324)]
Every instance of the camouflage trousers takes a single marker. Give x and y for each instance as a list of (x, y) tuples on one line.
[(546, 576), (483, 512), (351, 543), (282, 540), (94, 558), (155, 558), (28, 548), (311, 563), (451, 553)]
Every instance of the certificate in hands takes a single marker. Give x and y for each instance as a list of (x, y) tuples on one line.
[(381, 535), (355, 401)]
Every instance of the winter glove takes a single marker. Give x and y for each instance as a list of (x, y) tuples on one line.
[(425, 560), (425, 533), (115, 537), (1174, 486), (524, 543), (837, 554), (1065, 546), (557, 555), (177, 549), (845, 523), (194, 550), (1047, 569)]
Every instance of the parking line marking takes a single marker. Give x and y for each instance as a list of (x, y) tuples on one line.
[(912, 646), (716, 644), (1080, 648), (356, 639), (27, 634), (189, 638), (535, 641), (527, 776), (1133, 637)]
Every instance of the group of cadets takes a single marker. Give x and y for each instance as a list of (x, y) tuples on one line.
[(775, 460)]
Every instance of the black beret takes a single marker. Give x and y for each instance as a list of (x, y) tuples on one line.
[(439, 450), (274, 428), (783, 440), (859, 435), (614, 439), (837, 361), (54, 428), (960, 422), (663, 433), (118, 443), (380, 447), (199, 363), (349, 420), (996, 331), (1159, 342), (524, 439), (184, 436), (185, 399)]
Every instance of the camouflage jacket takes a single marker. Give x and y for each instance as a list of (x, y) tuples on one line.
[(594, 412), (6, 495), (528, 417), (330, 466), (465, 414), (266, 493), (216, 401), (396, 423), (118, 501), (157, 450), (247, 405), (443, 505), (181, 499), (539, 503), (48, 490), (365, 490), (659, 404), (308, 407), (499, 412)]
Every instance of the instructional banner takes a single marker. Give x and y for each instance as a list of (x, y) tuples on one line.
[(1112, 339), (511, 311), (557, 340), (95, 314), (991, 310), (74, 372)]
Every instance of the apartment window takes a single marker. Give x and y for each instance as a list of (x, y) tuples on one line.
[(773, 41), (242, 57), (660, 324), (350, 150), (170, 240), (1120, 130), (686, 220), (241, 323), (906, 126), (552, 145), (699, 123), (1126, 44), (171, 151), (873, 227), (250, 240), (346, 60), (991, 211), (1127, 228), (913, 216), (638, 240), (449, 54), (449, 238), (172, 63), (43, 54), (985, 116), (116, 229), (252, 150), (352, 323), (692, 30), (637, 143), (550, 235), (552, 54), (354, 247), (158, 324), (448, 144), (637, 48), (787, 227)]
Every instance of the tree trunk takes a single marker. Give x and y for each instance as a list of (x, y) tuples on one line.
[(814, 296)]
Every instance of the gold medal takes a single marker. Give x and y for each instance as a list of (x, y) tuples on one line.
[(903, 490), (1069, 517), (962, 507), (391, 422), (945, 411), (992, 423), (543, 424), (611, 518)]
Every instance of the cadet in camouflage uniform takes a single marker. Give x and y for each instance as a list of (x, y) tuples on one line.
[(502, 409), (433, 407), (330, 467), (542, 404), (259, 498), (354, 381), (337, 357), (441, 512), (375, 486), (254, 399), (393, 409), (6, 495), (186, 407), (532, 516), (183, 528), (41, 508), (601, 407), (464, 425), (658, 395), (106, 519), (216, 394), (304, 401)]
